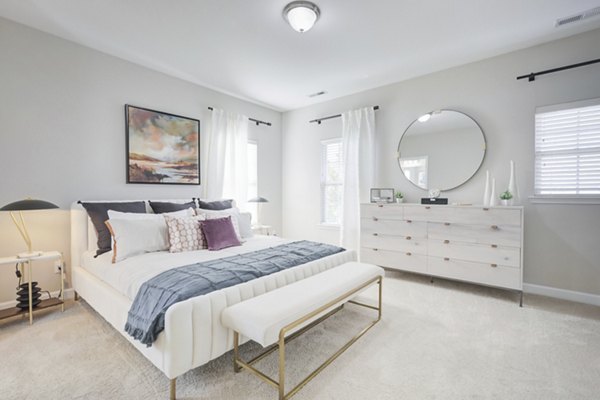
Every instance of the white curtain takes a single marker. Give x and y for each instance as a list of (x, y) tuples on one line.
[(358, 158), (225, 171)]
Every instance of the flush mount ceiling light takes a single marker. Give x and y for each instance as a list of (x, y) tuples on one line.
[(301, 15)]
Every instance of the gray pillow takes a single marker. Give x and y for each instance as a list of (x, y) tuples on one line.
[(160, 207), (216, 205), (98, 213)]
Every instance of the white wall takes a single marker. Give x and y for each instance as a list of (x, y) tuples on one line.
[(561, 241), (62, 135)]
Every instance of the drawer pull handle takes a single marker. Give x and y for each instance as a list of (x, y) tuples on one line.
[(376, 234), (494, 246), (446, 241), (447, 223), (446, 259), (408, 237), (375, 249), (486, 209), (409, 254), (408, 221), (427, 207), (494, 265), (375, 219), (380, 205), (495, 227)]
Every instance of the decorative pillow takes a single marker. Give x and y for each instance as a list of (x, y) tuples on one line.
[(160, 207), (98, 213), (185, 234), (245, 223), (232, 212), (216, 205), (219, 233), (137, 236)]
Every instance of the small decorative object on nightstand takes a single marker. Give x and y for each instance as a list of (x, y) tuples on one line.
[(263, 230)]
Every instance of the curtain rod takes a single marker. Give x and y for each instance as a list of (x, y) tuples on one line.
[(531, 76), (318, 120), (257, 121)]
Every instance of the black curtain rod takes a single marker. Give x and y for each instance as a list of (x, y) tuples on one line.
[(318, 120), (257, 121), (531, 76)]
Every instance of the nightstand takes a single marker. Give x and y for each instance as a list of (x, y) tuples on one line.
[(25, 266), (263, 230)]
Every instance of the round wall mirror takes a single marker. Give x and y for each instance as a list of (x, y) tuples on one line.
[(441, 150)]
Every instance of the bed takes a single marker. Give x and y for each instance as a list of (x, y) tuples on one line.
[(193, 333)]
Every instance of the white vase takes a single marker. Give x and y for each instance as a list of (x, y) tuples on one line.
[(505, 202), (513, 188), (486, 192), (399, 200), (493, 198)]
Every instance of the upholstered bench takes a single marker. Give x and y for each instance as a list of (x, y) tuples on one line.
[(281, 315)]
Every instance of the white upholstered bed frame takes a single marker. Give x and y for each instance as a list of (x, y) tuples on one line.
[(193, 332)]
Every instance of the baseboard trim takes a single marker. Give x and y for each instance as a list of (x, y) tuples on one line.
[(8, 304), (564, 294)]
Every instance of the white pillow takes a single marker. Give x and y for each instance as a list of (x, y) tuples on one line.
[(133, 236), (234, 213), (245, 223)]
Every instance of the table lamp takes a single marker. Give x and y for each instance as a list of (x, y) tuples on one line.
[(258, 200), (26, 205)]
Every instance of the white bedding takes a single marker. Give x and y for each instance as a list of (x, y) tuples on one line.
[(127, 276)]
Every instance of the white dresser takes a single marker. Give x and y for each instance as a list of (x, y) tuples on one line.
[(468, 243)]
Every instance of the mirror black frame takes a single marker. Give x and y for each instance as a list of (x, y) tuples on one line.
[(431, 112)]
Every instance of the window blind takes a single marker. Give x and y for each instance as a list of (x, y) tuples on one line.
[(567, 151), (331, 181)]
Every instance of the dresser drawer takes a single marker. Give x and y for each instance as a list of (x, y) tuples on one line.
[(483, 253), (405, 261), (500, 276), (372, 225), (502, 235), (382, 211), (465, 215), (395, 243)]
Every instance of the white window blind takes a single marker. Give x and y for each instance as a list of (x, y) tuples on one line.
[(567, 150), (331, 181)]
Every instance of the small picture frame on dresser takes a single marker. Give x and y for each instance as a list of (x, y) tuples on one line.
[(379, 195)]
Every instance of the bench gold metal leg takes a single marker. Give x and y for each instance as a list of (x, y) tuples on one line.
[(173, 389), (236, 352), (280, 385)]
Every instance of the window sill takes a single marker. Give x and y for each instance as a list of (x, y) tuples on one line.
[(563, 200), (329, 226)]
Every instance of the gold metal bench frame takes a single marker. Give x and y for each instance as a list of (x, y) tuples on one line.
[(238, 363)]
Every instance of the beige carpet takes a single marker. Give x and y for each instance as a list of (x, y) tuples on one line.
[(442, 341)]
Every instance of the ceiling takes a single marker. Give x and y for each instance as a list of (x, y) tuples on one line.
[(246, 49)]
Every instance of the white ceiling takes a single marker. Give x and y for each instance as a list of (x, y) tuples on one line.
[(246, 49)]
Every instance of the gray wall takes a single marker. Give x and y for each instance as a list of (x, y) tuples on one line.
[(62, 135), (561, 241)]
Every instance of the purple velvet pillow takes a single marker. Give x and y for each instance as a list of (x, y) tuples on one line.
[(219, 233)]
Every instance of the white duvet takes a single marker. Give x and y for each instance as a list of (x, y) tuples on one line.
[(127, 276)]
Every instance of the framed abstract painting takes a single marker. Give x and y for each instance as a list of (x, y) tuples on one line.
[(162, 148)]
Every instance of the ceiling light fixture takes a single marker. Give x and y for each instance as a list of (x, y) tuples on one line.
[(301, 15)]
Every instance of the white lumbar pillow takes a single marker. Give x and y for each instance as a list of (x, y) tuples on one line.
[(137, 236)]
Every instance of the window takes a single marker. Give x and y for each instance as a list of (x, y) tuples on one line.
[(567, 150), (331, 181), (252, 179)]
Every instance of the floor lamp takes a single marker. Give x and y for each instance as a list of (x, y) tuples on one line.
[(26, 205)]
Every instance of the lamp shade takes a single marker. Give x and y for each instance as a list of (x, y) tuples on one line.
[(29, 204), (258, 200)]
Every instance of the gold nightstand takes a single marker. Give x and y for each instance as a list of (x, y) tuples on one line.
[(25, 266)]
